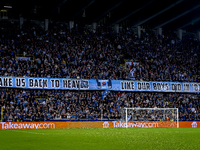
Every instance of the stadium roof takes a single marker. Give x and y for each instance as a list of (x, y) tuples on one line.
[(170, 14)]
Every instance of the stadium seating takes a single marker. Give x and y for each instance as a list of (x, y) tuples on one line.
[(84, 54), (81, 53), (22, 105)]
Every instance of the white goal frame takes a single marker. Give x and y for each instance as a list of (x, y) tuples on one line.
[(126, 109)]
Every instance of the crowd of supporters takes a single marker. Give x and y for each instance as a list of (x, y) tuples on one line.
[(94, 54), (22, 105), (84, 53)]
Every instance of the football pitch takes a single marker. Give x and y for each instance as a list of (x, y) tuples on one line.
[(101, 139)]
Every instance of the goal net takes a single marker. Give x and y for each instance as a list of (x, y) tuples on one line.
[(164, 117)]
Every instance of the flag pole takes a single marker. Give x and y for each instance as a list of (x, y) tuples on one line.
[(1, 114), (101, 107)]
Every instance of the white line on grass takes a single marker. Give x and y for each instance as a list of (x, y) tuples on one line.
[(27, 132)]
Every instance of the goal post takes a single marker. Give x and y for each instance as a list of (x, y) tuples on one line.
[(166, 117)]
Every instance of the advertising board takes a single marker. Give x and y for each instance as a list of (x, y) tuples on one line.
[(97, 124)]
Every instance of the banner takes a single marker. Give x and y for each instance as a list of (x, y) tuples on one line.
[(97, 124), (23, 58), (131, 74), (189, 124), (132, 67), (128, 64), (87, 84)]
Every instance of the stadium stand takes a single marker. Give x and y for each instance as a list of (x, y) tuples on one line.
[(24, 105), (82, 53)]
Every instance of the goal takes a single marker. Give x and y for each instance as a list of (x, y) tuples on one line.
[(166, 117)]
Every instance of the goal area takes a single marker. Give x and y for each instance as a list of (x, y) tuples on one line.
[(160, 117)]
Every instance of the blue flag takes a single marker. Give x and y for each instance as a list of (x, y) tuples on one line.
[(105, 93)]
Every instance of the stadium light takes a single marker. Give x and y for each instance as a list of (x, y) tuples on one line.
[(7, 6)]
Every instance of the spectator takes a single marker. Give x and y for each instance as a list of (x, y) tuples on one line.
[(66, 105)]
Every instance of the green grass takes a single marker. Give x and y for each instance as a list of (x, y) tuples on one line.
[(101, 139)]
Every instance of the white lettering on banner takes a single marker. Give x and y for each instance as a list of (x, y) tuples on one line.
[(143, 86), (105, 124), (127, 86), (120, 124), (11, 125), (38, 83), (160, 86), (6, 82), (194, 124)]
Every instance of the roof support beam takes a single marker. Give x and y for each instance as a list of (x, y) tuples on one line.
[(151, 17), (90, 3), (174, 18), (133, 12), (58, 6), (109, 10), (189, 23)]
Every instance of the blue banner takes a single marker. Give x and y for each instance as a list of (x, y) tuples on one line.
[(87, 84)]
